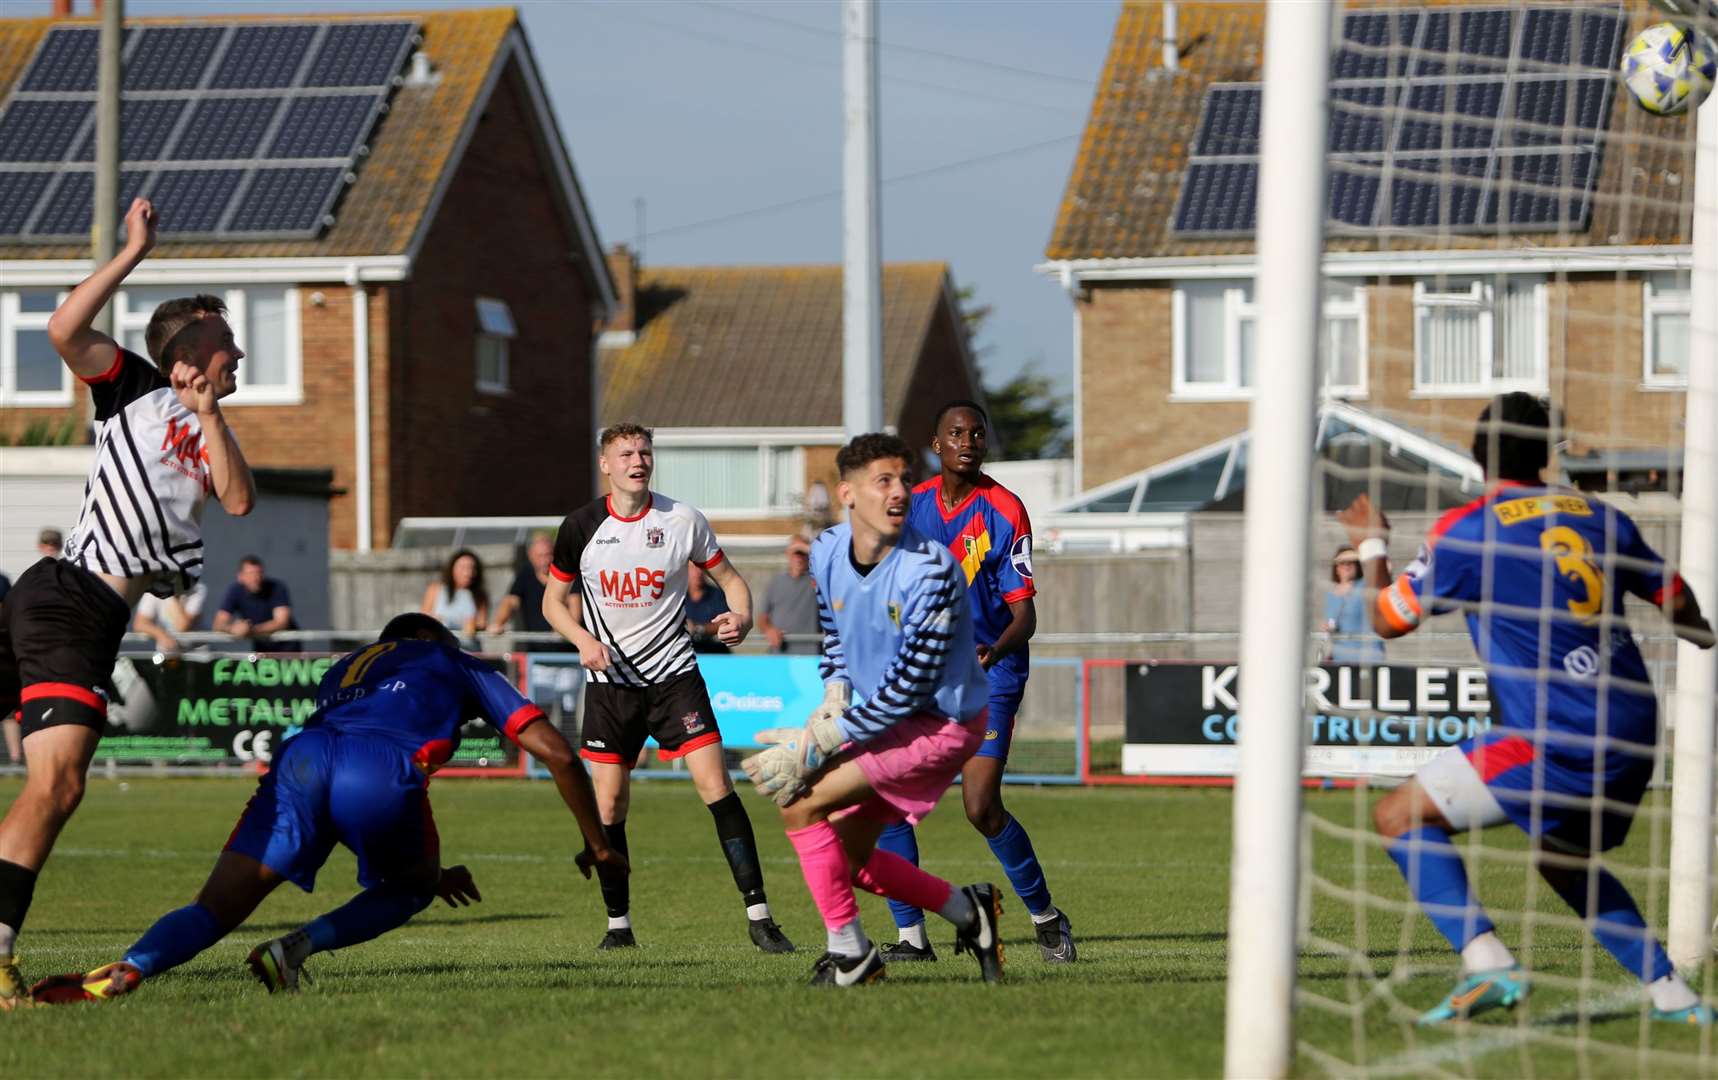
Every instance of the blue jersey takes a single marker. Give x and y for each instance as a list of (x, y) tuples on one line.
[(900, 635), (991, 538), (417, 695), (1541, 573)]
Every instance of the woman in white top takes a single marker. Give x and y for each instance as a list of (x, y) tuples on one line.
[(459, 599)]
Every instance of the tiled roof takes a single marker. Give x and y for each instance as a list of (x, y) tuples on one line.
[(409, 150), (1122, 190), (758, 346)]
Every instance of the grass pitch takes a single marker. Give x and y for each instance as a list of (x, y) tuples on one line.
[(514, 987)]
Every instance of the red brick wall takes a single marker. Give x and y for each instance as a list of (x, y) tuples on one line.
[(940, 377)]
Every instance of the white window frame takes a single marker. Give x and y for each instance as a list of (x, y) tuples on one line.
[(1237, 308), (127, 319), (765, 444), (13, 319), (503, 341), (1352, 308), (1654, 305), (1481, 294)]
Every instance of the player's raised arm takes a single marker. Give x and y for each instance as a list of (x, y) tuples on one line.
[(732, 625), (1369, 533), (1686, 621), (87, 351)]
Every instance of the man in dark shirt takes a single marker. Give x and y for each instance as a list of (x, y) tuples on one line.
[(525, 596), (703, 604), (255, 606)]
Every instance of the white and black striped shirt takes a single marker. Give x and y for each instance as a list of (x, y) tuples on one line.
[(631, 577), (143, 504)]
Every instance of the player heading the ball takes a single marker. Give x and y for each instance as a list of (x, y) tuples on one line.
[(162, 447), (1540, 572), (898, 633)]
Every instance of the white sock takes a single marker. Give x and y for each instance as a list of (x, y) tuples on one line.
[(757, 912), (849, 940), (1671, 993), (1486, 953), (8, 939), (1048, 915), (959, 909), (623, 922), (915, 936)]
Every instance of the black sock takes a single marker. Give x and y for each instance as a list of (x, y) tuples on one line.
[(616, 893), (17, 886), (734, 830)]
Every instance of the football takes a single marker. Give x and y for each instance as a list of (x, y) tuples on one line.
[(1668, 68)]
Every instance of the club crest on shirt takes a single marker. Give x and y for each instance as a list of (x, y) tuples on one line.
[(1021, 556), (693, 722), (653, 538), (895, 614)]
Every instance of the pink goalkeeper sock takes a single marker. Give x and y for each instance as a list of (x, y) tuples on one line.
[(823, 861), (887, 874)]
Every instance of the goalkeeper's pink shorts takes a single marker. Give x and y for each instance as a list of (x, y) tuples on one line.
[(913, 763)]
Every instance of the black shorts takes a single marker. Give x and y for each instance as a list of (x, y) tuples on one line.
[(676, 714), (60, 630)]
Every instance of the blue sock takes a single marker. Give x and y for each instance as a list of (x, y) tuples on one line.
[(899, 839), (1438, 881), (1617, 924), (370, 914), (175, 938), (1013, 849)]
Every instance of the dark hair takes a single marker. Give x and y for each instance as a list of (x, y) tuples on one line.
[(1338, 555), (250, 560), (478, 592), (415, 625), (864, 449), (171, 318), (1512, 438), (624, 431), (958, 403)]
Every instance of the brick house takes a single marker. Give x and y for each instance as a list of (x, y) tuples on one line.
[(438, 321), (738, 370), (1424, 321)]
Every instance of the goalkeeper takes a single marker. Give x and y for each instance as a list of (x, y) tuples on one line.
[(1540, 571), (898, 631)]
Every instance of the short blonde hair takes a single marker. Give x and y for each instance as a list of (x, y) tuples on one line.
[(624, 431)]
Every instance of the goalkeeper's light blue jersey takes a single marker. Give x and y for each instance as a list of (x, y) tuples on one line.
[(901, 634)]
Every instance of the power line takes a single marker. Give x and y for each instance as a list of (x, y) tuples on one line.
[(1012, 69), (825, 196)]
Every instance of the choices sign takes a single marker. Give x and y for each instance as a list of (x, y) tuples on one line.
[(1183, 717)]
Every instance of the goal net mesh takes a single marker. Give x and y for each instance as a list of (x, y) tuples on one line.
[(1502, 216)]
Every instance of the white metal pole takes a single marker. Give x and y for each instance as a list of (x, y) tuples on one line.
[(1697, 670), (104, 219), (1263, 896), (361, 407), (862, 234)]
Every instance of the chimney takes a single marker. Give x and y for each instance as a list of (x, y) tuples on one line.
[(1171, 36), (623, 267), (62, 9)]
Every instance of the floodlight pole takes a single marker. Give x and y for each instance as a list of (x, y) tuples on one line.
[(1265, 865), (862, 233), (104, 222), (1691, 794)]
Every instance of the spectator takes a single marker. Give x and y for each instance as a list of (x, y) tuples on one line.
[(703, 604), (50, 543), (161, 619), (256, 607), (1347, 617), (459, 600), (5, 586), (525, 596), (790, 603)]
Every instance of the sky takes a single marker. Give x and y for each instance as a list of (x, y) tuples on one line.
[(724, 118)]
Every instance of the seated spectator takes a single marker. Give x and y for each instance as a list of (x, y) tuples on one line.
[(50, 543), (703, 604), (790, 603), (1347, 616), (459, 601), (161, 619), (255, 607)]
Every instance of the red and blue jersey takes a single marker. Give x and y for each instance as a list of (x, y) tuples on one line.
[(991, 538), (418, 695), (1540, 573)]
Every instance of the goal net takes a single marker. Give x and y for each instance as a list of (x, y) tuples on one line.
[(1502, 215)]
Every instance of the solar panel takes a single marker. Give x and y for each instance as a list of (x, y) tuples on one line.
[(41, 130), (263, 57), (1473, 118), (276, 162)]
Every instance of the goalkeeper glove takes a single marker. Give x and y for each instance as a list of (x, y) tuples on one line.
[(823, 734), (779, 771)]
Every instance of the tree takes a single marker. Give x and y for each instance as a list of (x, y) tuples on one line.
[(1029, 418)]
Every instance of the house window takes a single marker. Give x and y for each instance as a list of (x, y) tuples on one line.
[(1216, 339), (265, 323), (1667, 309), (764, 480), (1477, 338), (495, 334), (31, 372)]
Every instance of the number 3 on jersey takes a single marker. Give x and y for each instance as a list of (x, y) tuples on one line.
[(1574, 557)]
